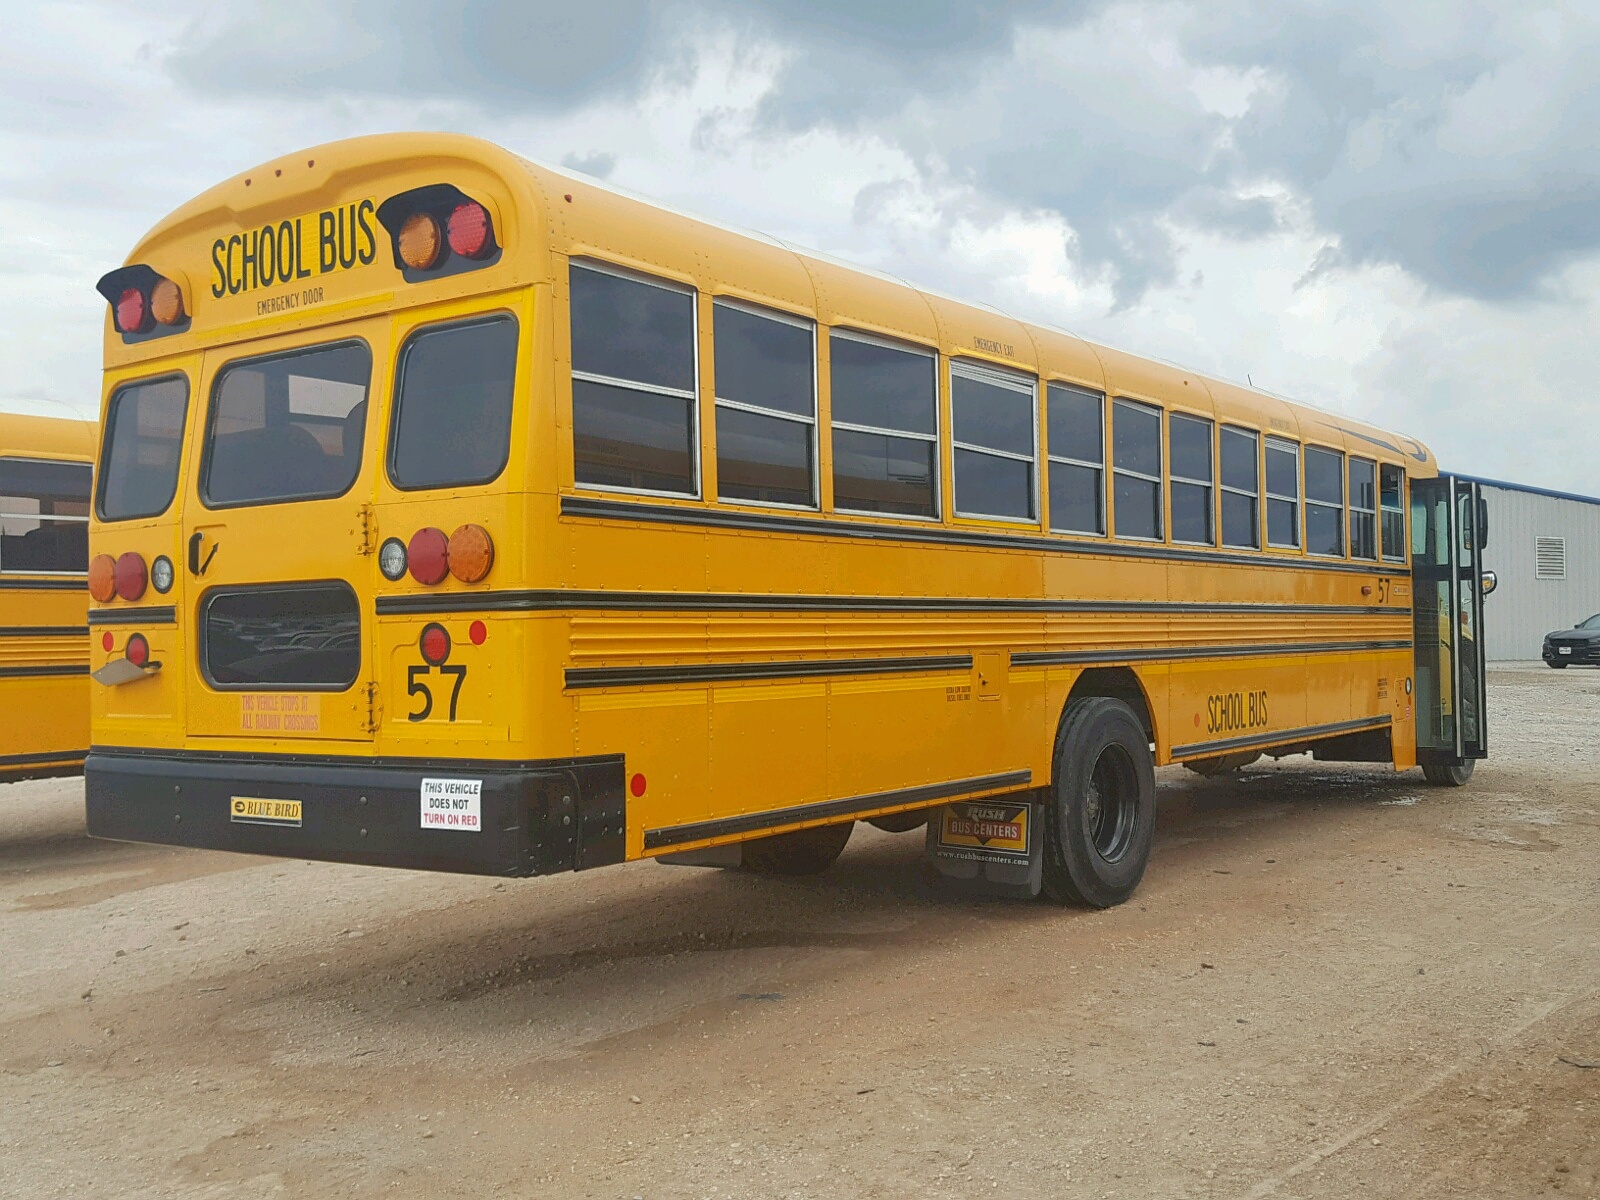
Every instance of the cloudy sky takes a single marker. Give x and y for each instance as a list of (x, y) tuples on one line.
[(1388, 209)]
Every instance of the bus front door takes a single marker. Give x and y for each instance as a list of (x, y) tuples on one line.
[(1449, 529)]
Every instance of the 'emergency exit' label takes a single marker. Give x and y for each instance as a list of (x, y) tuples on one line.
[(452, 804)]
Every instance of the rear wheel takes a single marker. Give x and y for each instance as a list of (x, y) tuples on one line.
[(1100, 815), (1447, 772), (803, 852)]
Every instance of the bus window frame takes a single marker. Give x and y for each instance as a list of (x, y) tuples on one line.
[(217, 377), (1291, 447), (1352, 510), (1159, 479), (109, 425), (1342, 508), (478, 318), (43, 517), (1403, 491), (936, 437), (1050, 456), (1210, 485), (717, 401), (1014, 381), (696, 427), (1255, 497)]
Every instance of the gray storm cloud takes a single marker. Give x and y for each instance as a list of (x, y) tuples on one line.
[(1398, 124)]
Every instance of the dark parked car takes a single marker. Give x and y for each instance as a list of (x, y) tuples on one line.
[(1578, 645)]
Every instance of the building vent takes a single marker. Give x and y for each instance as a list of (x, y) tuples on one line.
[(1550, 558)]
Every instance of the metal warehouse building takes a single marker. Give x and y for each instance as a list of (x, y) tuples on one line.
[(1545, 548)]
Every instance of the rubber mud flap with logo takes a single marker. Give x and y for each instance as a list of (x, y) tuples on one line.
[(992, 847)]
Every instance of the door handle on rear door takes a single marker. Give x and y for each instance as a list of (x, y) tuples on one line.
[(196, 540)]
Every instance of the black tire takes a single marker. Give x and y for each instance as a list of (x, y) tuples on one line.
[(1447, 772), (900, 822), (1557, 666), (803, 852), (1100, 813)]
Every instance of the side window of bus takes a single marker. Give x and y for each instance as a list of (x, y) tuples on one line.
[(1241, 488), (1283, 493), (633, 383), (1136, 469), (143, 443), (766, 406), (452, 411), (44, 516), (1324, 502), (885, 427), (287, 426), (1363, 509), (1076, 423), (1189, 439), (994, 434), (1392, 502)]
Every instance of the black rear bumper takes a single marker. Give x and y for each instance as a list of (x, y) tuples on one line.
[(538, 818)]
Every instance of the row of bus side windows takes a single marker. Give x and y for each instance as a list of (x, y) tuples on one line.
[(1075, 419), (635, 382)]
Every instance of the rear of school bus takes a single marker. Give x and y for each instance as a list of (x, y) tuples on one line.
[(311, 372)]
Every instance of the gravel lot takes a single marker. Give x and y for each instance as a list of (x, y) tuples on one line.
[(1335, 981)]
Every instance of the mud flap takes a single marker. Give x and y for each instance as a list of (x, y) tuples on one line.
[(990, 847)]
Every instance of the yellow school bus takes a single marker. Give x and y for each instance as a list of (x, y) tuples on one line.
[(456, 512), (45, 464)]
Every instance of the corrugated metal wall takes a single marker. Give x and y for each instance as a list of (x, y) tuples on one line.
[(1525, 608)]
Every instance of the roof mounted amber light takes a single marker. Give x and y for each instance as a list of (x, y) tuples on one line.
[(439, 230), (144, 304)]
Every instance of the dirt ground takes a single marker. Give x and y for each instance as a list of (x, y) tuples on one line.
[(1334, 981)]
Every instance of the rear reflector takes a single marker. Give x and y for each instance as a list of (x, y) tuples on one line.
[(131, 576)]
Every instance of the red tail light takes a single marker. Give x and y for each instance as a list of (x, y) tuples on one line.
[(435, 645), (131, 576), (138, 650), (468, 230), (133, 313), (428, 556)]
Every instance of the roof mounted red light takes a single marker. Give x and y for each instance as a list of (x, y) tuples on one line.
[(468, 230), (133, 312)]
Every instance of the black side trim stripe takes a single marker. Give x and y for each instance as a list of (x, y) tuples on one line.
[(676, 835), (155, 615), (671, 514), (11, 583), (356, 758), (559, 600), (42, 672), (592, 677), (1173, 653), (26, 631), (59, 758), (1255, 740)]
